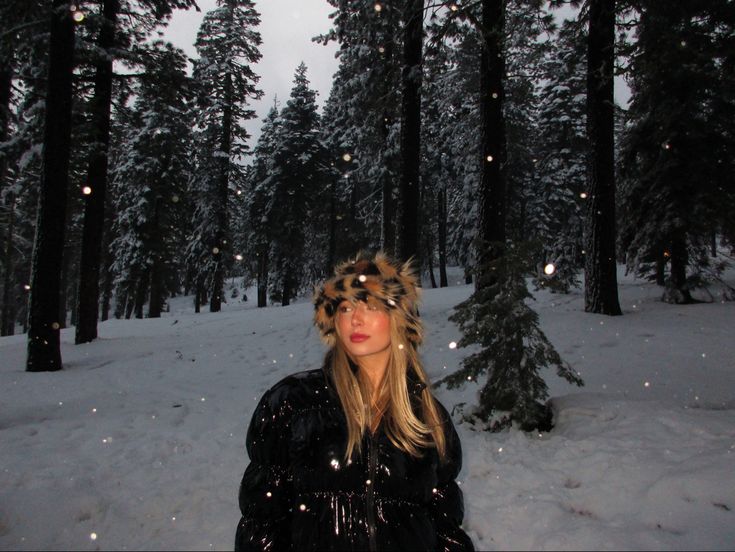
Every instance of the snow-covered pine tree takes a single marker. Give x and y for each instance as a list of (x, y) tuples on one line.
[(555, 211), (513, 348), (23, 64), (365, 114), (227, 43), (297, 213), (675, 145), (149, 177), (261, 187)]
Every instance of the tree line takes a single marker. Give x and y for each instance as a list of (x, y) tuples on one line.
[(454, 133)]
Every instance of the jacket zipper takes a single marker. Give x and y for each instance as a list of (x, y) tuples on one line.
[(372, 464)]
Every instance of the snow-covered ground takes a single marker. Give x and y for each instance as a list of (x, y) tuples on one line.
[(138, 442)]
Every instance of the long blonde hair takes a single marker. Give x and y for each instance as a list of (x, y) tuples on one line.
[(409, 431)]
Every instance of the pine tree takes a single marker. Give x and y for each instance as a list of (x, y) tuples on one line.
[(149, 177), (364, 119), (676, 150), (559, 191), (298, 182), (260, 199), (227, 44), (513, 350)]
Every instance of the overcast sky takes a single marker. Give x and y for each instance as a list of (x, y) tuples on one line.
[(286, 27)]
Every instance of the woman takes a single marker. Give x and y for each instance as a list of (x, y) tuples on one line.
[(357, 455)]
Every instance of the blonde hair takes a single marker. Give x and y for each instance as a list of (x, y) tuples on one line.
[(408, 431)]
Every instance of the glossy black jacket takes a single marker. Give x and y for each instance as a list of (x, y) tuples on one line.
[(298, 493)]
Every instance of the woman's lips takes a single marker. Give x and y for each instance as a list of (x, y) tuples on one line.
[(358, 337)]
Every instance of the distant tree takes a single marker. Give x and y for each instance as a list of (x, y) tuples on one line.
[(227, 44), (362, 121), (295, 213), (260, 198), (677, 153), (559, 192), (149, 177)]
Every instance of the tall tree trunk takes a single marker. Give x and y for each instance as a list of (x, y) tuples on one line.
[(64, 285), (44, 353), (7, 327), (141, 291), (492, 190), (218, 278), (679, 292), (713, 243), (155, 301), (287, 285), (442, 218), (107, 276), (263, 277), (430, 263), (601, 285), (408, 225), (7, 322), (94, 203)]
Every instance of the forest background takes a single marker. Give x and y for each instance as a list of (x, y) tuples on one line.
[(480, 134)]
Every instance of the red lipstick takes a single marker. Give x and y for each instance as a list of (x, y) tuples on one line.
[(358, 337)]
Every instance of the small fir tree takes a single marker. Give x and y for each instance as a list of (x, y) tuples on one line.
[(513, 348)]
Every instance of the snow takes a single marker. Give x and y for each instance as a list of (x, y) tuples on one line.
[(138, 442)]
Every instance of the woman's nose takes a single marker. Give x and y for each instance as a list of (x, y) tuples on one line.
[(357, 317)]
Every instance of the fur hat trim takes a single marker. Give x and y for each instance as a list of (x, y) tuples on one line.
[(379, 279)]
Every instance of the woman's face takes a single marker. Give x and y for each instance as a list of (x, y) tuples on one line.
[(364, 330)]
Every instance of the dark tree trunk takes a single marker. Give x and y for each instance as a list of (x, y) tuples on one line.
[(218, 278), (408, 224), (120, 303), (287, 288), (713, 243), (442, 218), (8, 314), (64, 285), (108, 276), (679, 292), (660, 267), (263, 277), (430, 263), (492, 190), (601, 285), (94, 203), (44, 353), (7, 318), (155, 301), (198, 298), (141, 292)]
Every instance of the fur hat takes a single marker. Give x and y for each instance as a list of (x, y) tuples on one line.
[(379, 279)]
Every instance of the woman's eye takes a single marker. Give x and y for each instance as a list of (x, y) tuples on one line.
[(345, 309)]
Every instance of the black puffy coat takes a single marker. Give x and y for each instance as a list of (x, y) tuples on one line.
[(298, 493)]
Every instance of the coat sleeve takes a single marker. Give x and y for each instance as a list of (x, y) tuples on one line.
[(266, 488), (447, 502)]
